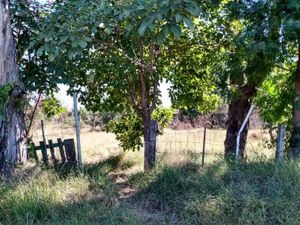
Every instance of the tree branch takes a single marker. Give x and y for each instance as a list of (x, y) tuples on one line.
[(135, 62)]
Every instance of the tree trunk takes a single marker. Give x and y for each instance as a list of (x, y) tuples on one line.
[(12, 124), (236, 114), (295, 138), (149, 143)]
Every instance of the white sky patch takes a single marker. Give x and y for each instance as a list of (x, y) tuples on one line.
[(67, 100), (165, 98)]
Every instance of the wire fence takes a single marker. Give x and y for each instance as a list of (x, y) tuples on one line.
[(178, 143), (172, 144)]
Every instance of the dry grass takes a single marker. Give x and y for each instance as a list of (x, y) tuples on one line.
[(173, 145)]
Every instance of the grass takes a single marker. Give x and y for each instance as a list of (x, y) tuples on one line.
[(259, 192), (113, 190), (69, 197), (254, 192)]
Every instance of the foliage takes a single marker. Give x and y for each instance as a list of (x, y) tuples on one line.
[(36, 69), (163, 116), (128, 130), (113, 53), (128, 127), (275, 101), (51, 107), (193, 66)]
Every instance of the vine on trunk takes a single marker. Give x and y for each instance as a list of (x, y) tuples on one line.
[(5, 92)]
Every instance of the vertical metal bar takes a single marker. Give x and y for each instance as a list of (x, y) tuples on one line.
[(237, 150), (77, 127), (203, 146)]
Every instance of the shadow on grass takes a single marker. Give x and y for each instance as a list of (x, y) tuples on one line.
[(104, 167), (259, 192), (66, 196)]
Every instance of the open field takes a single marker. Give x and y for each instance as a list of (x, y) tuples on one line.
[(173, 144)]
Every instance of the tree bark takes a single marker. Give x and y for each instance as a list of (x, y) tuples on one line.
[(236, 114), (149, 144), (12, 124), (295, 138)]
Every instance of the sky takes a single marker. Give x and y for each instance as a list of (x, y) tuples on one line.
[(67, 100)]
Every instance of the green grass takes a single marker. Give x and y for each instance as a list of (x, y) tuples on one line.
[(67, 197), (259, 192), (255, 192)]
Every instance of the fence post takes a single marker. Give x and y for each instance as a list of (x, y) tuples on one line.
[(203, 145), (61, 150), (43, 131), (50, 142), (44, 152), (77, 127), (280, 142)]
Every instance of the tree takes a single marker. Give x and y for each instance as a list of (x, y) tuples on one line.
[(117, 50), (275, 100), (254, 34), (291, 20), (12, 125)]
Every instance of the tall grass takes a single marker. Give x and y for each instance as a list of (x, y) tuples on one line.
[(68, 197), (256, 192), (259, 192)]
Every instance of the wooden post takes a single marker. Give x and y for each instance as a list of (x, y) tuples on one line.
[(44, 152), (203, 145), (43, 131), (70, 150), (52, 152), (280, 142), (35, 156), (61, 150)]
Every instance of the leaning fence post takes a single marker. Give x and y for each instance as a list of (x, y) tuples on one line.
[(43, 131), (203, 145), (61, 150), (280, 142)]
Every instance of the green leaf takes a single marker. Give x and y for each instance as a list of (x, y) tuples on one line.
[(71, 53), (175, 29), (51, 57), (195, 11), (40, 51), (178, 17), (94, 29), (189, 22), (160, 38), (142, 28), (108, 30), (87, 39), (82, 43)]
